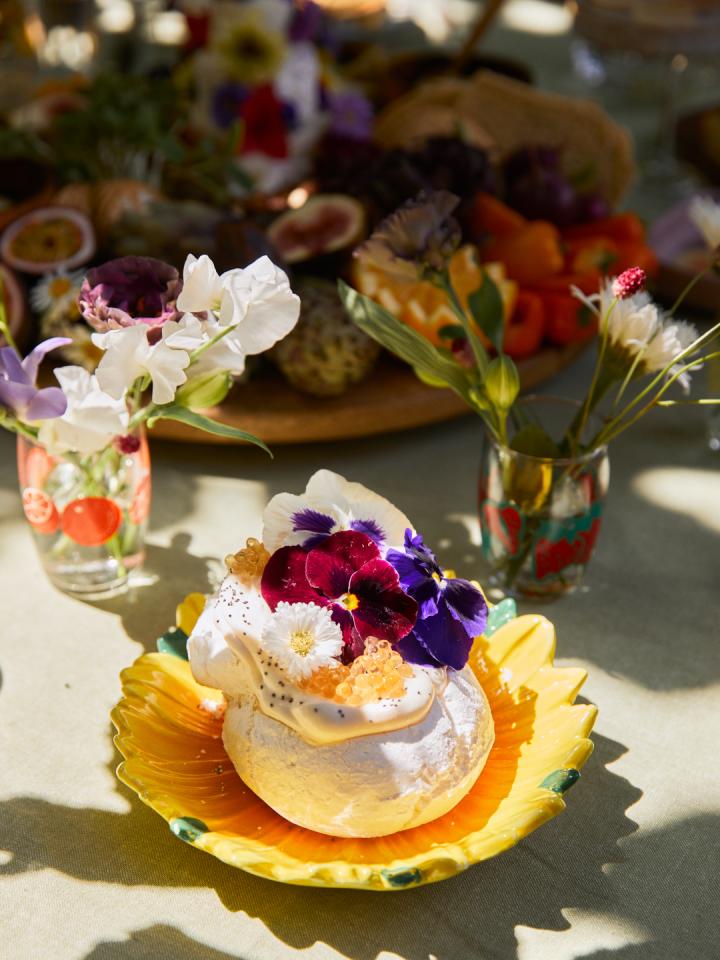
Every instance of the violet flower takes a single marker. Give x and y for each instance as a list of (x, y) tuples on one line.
[(351, 115), (226, 103), (18, 393), (130, 291), (418, 239), (451, 612), (346, 573)]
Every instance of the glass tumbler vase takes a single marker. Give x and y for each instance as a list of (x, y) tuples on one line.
[(540, 517), (88, 514)]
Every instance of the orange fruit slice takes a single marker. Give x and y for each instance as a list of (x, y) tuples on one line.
[(40, 510), (423, 306), (91, 521)]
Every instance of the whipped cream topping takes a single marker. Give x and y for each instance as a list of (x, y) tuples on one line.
[(235, 618)]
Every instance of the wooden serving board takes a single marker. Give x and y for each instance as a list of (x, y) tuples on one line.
[(391, 399)]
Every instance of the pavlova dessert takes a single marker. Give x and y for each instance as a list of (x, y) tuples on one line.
[(341, 647)]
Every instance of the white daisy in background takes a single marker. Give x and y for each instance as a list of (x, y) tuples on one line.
[(705, 214), (638, 332), (56, 290), (302, 637)]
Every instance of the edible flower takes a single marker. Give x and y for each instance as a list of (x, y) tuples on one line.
[(329, 504), (129, 291), (18, 393), (451, 611), (302, 637), (418, 239), (345, 573), (92, 418)]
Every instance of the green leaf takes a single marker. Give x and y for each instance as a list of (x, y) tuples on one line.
[(487, 310), (172, 411), (533, 441), (560, 781), (173, 642), (399, 339), (452, 331)]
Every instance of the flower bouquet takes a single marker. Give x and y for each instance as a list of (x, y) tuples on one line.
[(544, 477), (83, 461)]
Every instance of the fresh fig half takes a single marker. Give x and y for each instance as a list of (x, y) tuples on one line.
[(48, 238), (327, 223)]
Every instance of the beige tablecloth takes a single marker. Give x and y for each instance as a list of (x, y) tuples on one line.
[(630, 870)]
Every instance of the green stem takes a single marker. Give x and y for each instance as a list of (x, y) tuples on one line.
[(687, 288), (479, 351), (4, 326)]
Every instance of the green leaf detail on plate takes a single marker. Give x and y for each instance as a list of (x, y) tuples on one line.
[(499, 615), (399, 339), (401, 877), (561, 780), (188, 828), (173, 642), (487, 310), (173, 411)]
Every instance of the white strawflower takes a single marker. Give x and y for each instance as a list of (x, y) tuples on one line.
[(671, 339), (302, 637), (705, 214)]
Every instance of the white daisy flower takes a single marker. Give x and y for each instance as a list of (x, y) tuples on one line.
[(55, 289), (302, 637), (705, 214)]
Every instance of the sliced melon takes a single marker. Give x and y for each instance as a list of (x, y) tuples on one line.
[(327, 223), (49, 238)]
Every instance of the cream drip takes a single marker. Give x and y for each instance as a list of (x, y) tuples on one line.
[(239, 614)]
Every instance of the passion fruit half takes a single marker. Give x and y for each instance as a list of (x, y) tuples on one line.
[(327, 223), (49, 238)]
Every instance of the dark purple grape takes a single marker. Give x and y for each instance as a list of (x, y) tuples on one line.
[(449, 163), (591, 206), (529, 160), (543, 195)]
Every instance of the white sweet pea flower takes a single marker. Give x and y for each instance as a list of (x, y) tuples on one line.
[(705, 214), (264, 305), (202, 287), (190, 334), (92, 417), (129, 355)]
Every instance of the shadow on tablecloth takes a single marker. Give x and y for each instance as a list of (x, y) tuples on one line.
[(560, 866)]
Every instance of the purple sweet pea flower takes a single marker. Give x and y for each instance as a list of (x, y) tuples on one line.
[(351, 115), (307, 22), (129, 291), (451, 611), (18, 393)]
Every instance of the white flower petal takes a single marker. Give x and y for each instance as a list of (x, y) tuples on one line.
[(705, 214), (92, 417), (201, 285), (271, 308), (124, 360), (302, 637), (167, 370), (348, 505)]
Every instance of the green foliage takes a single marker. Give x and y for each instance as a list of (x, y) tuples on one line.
[(173, 411), (534, 441), (486, 307), (399, 339)]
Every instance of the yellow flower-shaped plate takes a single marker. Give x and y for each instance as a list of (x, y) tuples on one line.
[(170, 737)]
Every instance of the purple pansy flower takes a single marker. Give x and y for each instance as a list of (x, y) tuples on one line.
[(451, 611), (351, 115), (345, 573), (18, 393), (319, 526), (128, 291)]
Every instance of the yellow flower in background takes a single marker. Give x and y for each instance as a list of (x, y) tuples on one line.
[(252, 51)]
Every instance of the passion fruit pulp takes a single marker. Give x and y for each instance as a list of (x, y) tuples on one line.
[(49, 238)]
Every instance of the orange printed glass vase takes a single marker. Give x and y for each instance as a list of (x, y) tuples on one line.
[(88, 514)]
